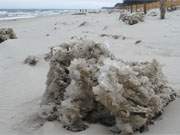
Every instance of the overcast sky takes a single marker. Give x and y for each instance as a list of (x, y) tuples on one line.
[(56, 3)]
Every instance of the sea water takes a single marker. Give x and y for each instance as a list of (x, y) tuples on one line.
[(14, 14)]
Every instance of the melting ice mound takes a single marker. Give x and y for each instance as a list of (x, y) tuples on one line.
[(87, 84), (132, 18), (6, 33)]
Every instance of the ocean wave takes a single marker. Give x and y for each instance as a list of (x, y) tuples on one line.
[(11, 14)]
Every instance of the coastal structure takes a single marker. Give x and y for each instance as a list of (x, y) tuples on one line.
[(144, 5)]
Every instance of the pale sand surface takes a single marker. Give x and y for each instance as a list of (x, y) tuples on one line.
[(21, 86)]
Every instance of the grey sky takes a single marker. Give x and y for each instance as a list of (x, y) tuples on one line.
[(56, 3)]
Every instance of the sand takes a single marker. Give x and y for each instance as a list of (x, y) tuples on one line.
[(21, 86)]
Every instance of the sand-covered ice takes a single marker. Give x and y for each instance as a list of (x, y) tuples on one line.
[(87, 83), (21, 86), (7, 33)]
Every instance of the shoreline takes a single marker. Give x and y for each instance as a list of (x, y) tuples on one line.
[(34, 13)]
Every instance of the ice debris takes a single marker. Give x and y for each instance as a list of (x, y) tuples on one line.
[(87, 83), (31, 60), (6, 33), (132, 18)]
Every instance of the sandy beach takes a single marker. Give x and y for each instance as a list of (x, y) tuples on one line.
[(21, 86)]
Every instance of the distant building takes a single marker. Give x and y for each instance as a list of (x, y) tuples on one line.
[(107, 8)]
